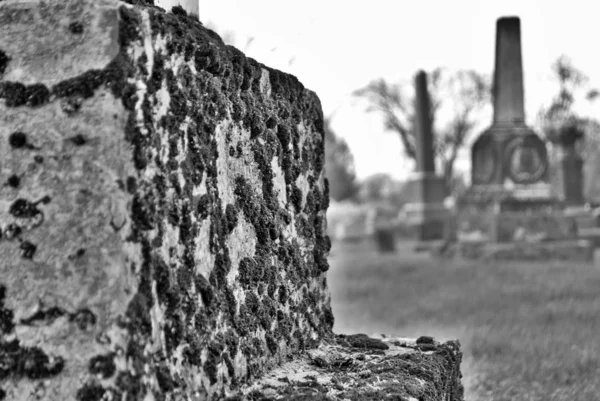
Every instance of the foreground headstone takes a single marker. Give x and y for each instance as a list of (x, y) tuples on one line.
[(510, 201), (162, 210), (424, 211)]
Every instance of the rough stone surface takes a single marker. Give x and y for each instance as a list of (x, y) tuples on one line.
[(162, 207), (358, 367)]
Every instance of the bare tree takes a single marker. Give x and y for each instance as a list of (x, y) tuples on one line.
[(573, 84), (457, 99), (339, 166), (573, 87)]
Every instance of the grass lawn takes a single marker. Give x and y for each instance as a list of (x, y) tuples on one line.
[(528, 331)]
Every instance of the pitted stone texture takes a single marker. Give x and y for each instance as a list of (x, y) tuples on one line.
[(162, 209), (358, 367), (84, 33)]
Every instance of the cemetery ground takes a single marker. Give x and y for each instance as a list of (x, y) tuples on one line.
[(528, 331)]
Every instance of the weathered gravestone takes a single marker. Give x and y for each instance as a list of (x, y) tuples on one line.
[(510, 208), (424, 212), (162, 220)]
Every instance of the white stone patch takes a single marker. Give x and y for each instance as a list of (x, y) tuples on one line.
[(229, 168), (203, 258), (171, 240), (199, 190), (157, 318), (241, 244), (163, 100), (175, 63), (304, 186), (147, 35), (304, 135), (265, 83), (278, 182), (182, 150)]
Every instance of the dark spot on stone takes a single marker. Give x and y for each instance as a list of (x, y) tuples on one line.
[(271, 123), (2, 394), (79, 253), (205, 290), (363, 341), (103, 365), (178, 10), (17, 140), (44, 200), (163, 377), (22, 208), (78, 140), (30, 362), (28, 250), (141, 215), (425, 340), (231, 214), (131, 185), (83, 318), (426, 347), (16, 94), (271, 343), (12, 230), (46, 316), (90, 392), (38, 159), (70, 105), (13, 181), (296, 198), (130, 383), (6, 315), (76, 28), (203, 207), (4, 60)]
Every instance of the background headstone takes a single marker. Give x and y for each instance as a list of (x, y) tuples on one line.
[(425, 211)]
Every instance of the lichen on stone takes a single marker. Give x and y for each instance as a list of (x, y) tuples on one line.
[(164, 208)]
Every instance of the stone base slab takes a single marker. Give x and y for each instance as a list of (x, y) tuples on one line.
[(577, 250), (584, 217), (591, 234), (359, 367), (508, 226)]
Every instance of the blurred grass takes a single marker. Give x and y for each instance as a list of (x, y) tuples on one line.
[(527, 331)]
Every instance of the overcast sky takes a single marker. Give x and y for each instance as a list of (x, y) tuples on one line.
[(335, 47)]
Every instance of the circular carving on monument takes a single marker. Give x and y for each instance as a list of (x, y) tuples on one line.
[(526, 160)]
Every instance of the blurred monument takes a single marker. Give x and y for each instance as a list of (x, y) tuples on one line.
[(425, 212), (510, 212)]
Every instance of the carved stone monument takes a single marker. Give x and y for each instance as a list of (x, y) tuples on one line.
[(425, 212), (510, 201), (510, 155)]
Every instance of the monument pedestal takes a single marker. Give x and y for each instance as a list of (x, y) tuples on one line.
[(505, 226)]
